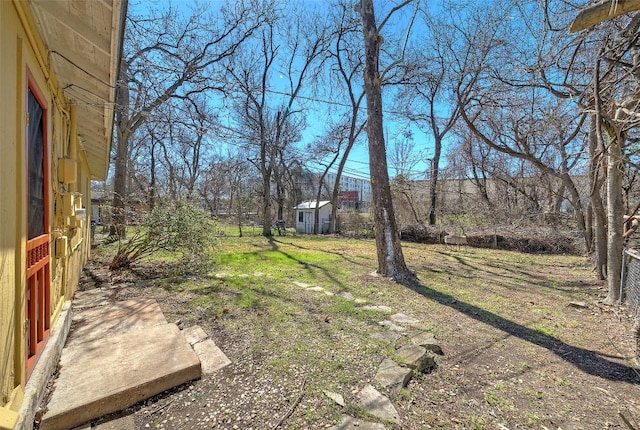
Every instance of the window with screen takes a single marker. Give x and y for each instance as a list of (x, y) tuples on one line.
[(35, 146)]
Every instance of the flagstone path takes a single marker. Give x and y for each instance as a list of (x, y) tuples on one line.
[(418, 356)]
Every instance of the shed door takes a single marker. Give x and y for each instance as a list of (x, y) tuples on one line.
[(308, 222), (38, 291)]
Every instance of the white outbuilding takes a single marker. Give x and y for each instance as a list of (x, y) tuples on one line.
[(305, 216)]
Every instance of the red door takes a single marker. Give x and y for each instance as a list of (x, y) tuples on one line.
[(38, 288)]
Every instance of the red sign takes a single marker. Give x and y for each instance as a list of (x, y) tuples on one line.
[(349, 196)]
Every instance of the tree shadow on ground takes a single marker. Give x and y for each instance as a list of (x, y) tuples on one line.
[(339, 254), (586, 360), (308, 266)]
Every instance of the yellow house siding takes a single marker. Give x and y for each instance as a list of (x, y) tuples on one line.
[(23, 53), (20, 52), (10, 207)]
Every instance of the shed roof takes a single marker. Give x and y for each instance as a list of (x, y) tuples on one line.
[(312, 205)]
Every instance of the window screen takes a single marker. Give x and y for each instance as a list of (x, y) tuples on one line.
[(35, 146)]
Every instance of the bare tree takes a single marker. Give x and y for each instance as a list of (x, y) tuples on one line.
[(269, 121), (390, 258), (326, 150), (615, 93), (346, 56), (167, 54), (434, 69), (404, 159)]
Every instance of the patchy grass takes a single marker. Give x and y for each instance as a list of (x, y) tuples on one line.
[(515, 353)]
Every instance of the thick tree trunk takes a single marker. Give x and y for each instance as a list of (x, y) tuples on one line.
[(597, 206), (390, 258), (433, 184), (152, 179), (614, 219), (266, 206), (120, 185), (557, 204), (333, 220), (121, 156)]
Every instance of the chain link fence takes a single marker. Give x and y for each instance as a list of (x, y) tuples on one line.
[(630, 290), (630, 285)]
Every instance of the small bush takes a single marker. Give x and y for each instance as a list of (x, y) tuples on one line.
[(354, 224), (179, 227), (423, 233)]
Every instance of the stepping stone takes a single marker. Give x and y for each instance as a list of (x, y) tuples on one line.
[(386, 336), (329, 293), (318, 289), (379, 308), (223, 275), (337, 398), (350, 423), (211, 357), (391, 326), (579, 305), (346, 295), (377, 405), (360, 301), (194, 334), (404, 319), (428, 341), (390, 375), (416, 357), (301, 284)]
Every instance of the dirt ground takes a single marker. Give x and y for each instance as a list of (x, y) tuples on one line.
[(527, 343)]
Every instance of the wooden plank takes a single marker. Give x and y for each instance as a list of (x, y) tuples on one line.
[(602, 11)]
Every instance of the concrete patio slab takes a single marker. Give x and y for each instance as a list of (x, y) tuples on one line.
[(103, 375), (116, 318)]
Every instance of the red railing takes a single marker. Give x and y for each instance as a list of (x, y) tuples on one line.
[(38, 298)]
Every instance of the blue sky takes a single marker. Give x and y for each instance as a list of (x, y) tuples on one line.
[(321, 108)]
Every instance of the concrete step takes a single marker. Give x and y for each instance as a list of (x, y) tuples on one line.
[(102, 375)]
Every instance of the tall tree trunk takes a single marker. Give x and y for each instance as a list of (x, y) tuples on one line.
[(152, 179), (615, 168), (121, 156), (557, 204), (266, 205), (333, 220), (433, 182), (599, 214), (390, 258)]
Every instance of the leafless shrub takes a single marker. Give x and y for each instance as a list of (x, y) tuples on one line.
[(537, 240)]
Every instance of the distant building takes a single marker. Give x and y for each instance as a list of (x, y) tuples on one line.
[(355, 193)]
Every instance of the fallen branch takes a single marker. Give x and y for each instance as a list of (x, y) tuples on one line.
[(293, 407)]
